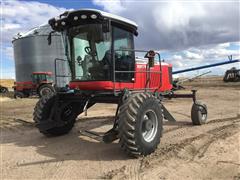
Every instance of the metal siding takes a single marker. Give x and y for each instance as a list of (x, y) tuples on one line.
[(33, 53)]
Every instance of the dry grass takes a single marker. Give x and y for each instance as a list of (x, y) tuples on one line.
[(208, 81), (7, 82)]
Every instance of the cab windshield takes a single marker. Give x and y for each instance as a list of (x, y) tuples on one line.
[(36, 78), (91, 52)]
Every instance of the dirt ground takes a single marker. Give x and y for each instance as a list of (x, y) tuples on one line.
[(210, 151)]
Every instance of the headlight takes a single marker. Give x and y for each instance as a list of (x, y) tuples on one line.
[(75, 18), (94, 16), (83, 16)]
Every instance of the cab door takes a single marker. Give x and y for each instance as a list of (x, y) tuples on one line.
[(124, 57)]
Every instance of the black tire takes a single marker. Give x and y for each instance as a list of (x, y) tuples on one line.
[(18, 94), (3, 89), (26, 95), (199, 113), (132, 123), (46, 89), (42, 112)]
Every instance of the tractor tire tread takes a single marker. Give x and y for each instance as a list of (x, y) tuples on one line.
[(127, 132), (39, 113)]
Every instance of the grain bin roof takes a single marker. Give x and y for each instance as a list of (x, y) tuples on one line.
[(42, 30)]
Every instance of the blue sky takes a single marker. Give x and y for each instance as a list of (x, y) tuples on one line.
[(187, 33), (72, 4)]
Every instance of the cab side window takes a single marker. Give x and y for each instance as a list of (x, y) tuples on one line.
[(124, 59)]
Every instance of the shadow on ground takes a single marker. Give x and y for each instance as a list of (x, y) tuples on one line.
[(74, 146)]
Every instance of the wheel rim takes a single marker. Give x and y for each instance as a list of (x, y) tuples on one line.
[(3, 90), (149, 125), (203, 113), (45, 91)]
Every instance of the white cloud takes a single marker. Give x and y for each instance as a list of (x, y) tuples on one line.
[(177, 14), (236, 44), (204, 55), (10, 26), (177, 57), (178, 64), (221, 51), (192, 55), (115, 6), (224, 45), (20, 16), (193, 33), (177, 25)]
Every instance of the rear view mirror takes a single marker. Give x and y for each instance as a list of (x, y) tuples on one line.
[(50, 37)]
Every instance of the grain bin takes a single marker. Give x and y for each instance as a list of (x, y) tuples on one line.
[(33, 54)]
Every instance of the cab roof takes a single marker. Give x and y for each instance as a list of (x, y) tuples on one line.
[(113, 16), (77, 17)]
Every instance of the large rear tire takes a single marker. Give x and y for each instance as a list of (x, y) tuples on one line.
[(67, 113), (140, 124)]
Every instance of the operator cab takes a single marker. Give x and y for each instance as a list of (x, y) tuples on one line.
[(38, 77), (94, 41)]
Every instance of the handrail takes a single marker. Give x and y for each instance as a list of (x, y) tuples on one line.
[(148, 71)]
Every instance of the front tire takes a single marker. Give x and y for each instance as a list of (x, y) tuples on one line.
[(3, 90), (18, 95), (140, 124), (199, 113), (67, 114)]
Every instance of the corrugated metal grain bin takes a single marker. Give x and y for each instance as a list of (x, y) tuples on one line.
[(32, 54)]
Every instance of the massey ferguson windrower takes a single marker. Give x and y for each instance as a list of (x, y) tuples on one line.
[(104, 69)]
